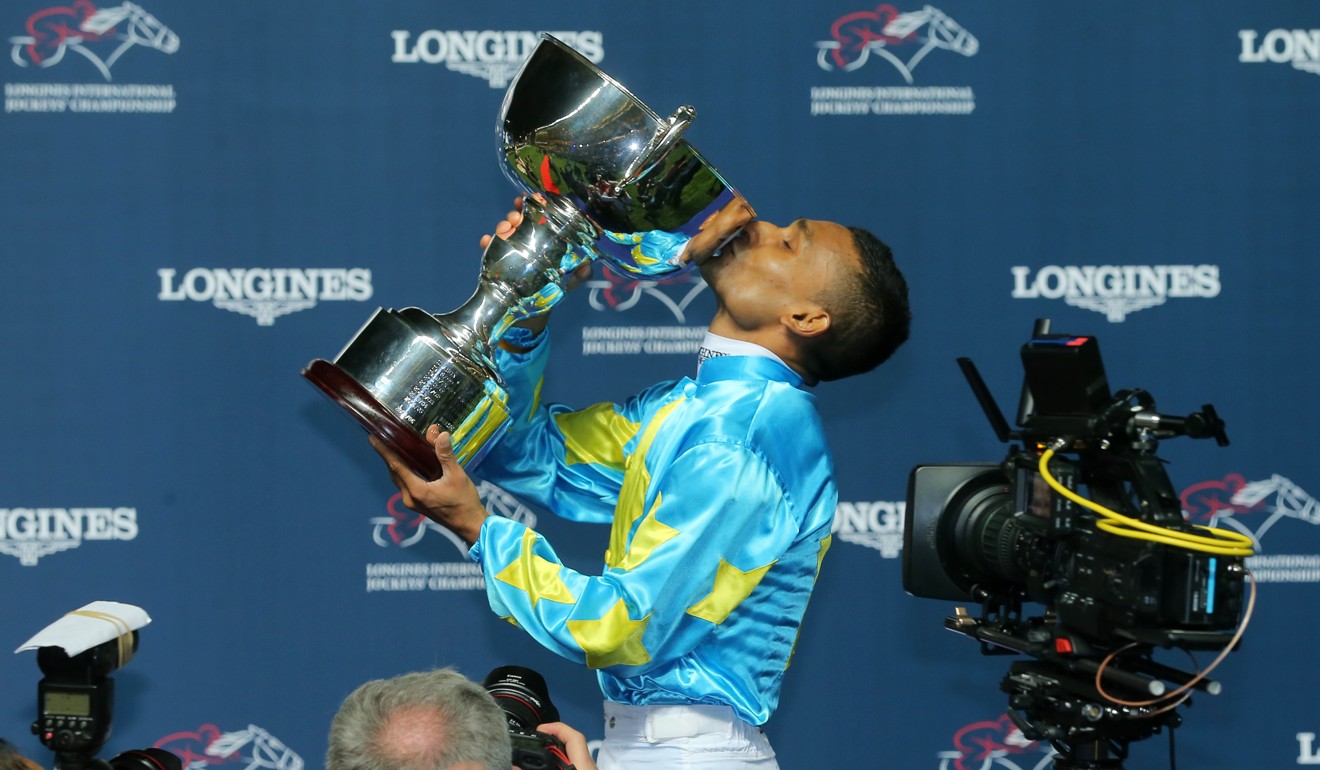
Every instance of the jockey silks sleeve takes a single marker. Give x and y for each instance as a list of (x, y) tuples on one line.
[(720, 496)]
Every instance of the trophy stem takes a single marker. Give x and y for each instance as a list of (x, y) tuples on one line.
[(477, 324), (521, 276)]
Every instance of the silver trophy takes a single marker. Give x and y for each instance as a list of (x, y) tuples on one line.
[(604, 178)]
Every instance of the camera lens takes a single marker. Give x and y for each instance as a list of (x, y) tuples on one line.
[(523, 695), (146, 759), (989, 538)]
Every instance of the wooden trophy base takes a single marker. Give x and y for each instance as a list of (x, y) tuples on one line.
[(403, 440)]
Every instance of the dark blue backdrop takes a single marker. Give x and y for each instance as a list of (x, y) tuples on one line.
[(186, 223)]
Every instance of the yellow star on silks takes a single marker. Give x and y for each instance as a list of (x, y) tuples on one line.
[(537, 576), (651, 534), (596, 435), (615, 639), (732, 585)]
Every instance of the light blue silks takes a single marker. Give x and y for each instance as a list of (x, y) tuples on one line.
[(720, 493)]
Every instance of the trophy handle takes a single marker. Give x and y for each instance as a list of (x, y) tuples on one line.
[(666, 136)]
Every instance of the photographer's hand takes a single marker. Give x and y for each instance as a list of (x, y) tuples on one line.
[(451, 500), (575, 744)]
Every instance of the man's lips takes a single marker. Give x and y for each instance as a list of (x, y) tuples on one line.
[(730, 246)]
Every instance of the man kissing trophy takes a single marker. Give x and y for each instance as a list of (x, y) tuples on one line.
[(603, 178)]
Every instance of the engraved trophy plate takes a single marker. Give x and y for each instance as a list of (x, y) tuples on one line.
[(605, 179)]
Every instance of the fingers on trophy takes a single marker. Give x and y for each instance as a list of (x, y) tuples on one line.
[(602, 177)]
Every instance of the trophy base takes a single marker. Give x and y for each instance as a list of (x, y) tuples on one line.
[(372, 415)]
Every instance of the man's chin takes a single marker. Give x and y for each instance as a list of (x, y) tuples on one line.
[(711, 267)]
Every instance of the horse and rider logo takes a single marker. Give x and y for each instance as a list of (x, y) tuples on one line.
[(995, 745), (403, 528), (614, 291), (251, 749), (901, 38), (100, 35), (1250, 507)]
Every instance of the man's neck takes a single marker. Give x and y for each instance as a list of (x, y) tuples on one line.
[(715, 345), (770, 340)]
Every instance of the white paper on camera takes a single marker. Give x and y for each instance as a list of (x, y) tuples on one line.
[(88, 626)]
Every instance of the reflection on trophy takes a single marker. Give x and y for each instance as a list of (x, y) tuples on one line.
[(604, 178)]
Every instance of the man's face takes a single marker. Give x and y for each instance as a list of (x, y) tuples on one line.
[(768, 269)]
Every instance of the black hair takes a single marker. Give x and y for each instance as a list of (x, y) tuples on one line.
[(869, 315)]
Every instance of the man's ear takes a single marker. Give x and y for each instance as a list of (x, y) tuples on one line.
[(807, 320)]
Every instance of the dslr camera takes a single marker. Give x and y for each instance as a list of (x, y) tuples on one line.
[(75, 703), (525, 699)]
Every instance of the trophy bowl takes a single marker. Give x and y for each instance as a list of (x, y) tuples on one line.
[(568, 130), (603, 178)]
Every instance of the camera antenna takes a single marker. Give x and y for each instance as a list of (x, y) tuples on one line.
[(997, 422), (1026, 405)]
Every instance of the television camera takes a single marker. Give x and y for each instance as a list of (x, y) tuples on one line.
[(1080, 517)]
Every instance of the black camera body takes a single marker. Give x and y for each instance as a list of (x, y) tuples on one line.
[(525, 699), (537, 751), (976, 530), (75, 706), (998, 533), (75, 698)]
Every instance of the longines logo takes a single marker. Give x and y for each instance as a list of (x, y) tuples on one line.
[(1298, 47), (492, 55), (1307, 752), (265, 293), (31, 533), (903, 39), (100, 37), (874, 524), (1116, 290)]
